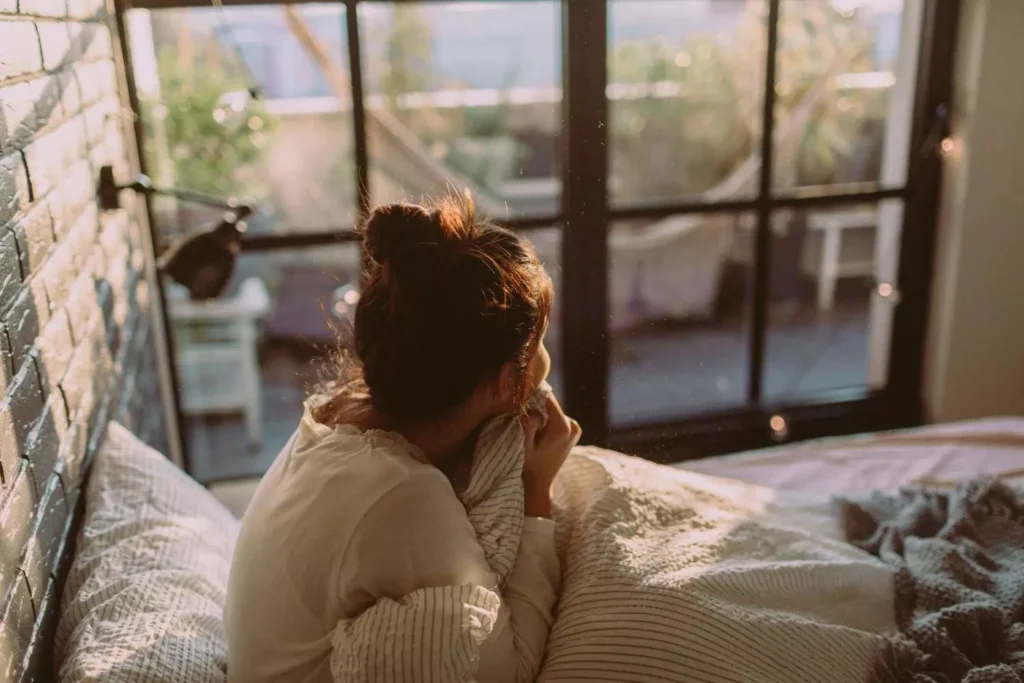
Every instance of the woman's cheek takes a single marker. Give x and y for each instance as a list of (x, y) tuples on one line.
[(540, 367)]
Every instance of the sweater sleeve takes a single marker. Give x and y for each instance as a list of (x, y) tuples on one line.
[(418, 536), (527, 603)]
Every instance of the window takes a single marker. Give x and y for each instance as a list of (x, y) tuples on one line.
[(291, 150), (729, 194), (465, 97)]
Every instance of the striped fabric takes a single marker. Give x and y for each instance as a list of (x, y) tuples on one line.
[(434, 635), (430, 636), (667, 576), (675, 576), (144, 596)]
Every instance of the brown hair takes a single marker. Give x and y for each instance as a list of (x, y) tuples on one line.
[(447, 300)]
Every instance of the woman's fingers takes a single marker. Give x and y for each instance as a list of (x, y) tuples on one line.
[(560, 427)]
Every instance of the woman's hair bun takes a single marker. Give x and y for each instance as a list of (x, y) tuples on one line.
[(395, 229)]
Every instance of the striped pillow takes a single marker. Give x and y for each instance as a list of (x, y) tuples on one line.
[(145, 593)]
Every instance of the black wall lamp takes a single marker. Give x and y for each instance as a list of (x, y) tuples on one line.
[(202, 263)]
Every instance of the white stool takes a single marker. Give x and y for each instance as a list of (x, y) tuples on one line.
[(215, 347)]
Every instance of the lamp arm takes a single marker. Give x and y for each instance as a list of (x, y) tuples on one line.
[(108, 191)]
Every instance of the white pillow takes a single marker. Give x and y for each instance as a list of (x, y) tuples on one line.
[(144, 597)]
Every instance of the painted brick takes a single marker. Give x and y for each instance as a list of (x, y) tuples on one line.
[(43, 445), (101, 414), (81, 306), (100, 121), (46, 104), (60, 272), (77, 195), (86, 9), (117, 278), (71, 458), (55, 348), (95, 42), (6, 362), (114, 236), (47, 533), (10, 270), (105, 297), (97, 81), (70, 93), (50, 156), (43, 8), (77, 381), (34, 234), (73, 303), (40, 301), (15, 635), (83, 240), (40, 655), (19, 499), (57, 45), (66, 42), (15, 193), (89, 370), (23, 323), (19, 409), (17, 114), (19, 49)]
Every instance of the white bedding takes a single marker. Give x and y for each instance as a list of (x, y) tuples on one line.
[(666, 575), (857, 464), (670, 575)]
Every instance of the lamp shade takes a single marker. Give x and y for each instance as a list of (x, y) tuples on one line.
[(204, 263)]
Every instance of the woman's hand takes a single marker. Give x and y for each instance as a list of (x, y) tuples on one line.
[(546, 451)]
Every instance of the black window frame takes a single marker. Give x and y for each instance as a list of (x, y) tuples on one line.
[(586, 215)]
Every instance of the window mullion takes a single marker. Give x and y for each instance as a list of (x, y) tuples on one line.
[(585, 335), (762, 262)]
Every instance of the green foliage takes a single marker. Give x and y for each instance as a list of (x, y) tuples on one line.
[(409, 54), (204, 154), (685, 143), (682, 142)]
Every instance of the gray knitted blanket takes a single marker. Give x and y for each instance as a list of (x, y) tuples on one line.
[(959, 561)]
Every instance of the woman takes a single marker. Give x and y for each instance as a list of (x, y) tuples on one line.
[(359, 506)]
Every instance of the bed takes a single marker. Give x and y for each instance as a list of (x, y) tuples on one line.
[(839, 465), (31, 620), (936, 454)]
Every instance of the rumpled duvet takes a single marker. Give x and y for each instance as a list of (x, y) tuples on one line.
[(667, 576), (959, 558)]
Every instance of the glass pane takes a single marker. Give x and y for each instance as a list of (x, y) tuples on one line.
[(832, 298), (685, 90), (247, 360), (464, 95), (846, 74), (679, 315), (289, 149)]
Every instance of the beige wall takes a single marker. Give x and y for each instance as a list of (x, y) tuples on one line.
[(975, 350)]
